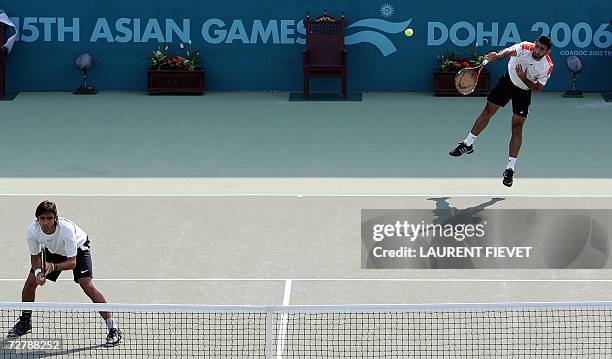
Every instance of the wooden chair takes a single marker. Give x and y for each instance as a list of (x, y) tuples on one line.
[(325, 54)]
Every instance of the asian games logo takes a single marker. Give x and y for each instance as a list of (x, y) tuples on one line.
[(375, 31)]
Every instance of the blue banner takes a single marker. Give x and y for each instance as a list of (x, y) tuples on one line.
[(257, 45)]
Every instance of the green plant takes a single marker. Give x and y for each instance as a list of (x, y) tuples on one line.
[(161, 60), (453, 62), (193, 60), (476, 57)]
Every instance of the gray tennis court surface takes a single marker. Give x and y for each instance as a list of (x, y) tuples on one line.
[(247, 249)]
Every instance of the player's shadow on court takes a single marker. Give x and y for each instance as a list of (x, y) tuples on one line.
[(444, 215)]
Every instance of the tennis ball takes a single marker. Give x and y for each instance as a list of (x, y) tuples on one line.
[(408, 32)]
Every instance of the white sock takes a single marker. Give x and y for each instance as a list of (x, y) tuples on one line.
[(110, 323), (470, 139), (511, 162)]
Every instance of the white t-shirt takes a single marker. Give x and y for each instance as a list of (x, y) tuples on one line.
[(65, 241), (537, 71)]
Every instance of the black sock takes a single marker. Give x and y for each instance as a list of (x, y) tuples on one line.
[(26, 315)]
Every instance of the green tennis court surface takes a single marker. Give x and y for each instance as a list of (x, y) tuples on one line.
[(221, 135)]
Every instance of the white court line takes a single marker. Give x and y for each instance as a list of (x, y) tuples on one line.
[(287, 294), (321, 280), (282, 327)]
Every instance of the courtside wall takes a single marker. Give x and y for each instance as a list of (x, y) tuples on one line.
[(256, 45)]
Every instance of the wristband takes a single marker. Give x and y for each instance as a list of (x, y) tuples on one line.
[(37, 272), (54, 267)]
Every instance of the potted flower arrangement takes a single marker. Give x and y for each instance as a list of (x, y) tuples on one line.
[(448, 66), (170, 74)]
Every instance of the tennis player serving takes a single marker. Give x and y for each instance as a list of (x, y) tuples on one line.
[(529, 69), (65, 247)]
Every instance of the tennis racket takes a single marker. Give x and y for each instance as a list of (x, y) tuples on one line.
[(467, 79), (43, 261)]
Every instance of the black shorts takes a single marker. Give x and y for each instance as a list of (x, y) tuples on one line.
[(83, 269), (505, 91)]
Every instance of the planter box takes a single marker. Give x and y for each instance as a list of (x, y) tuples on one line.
[(444, 84), (171, 82)]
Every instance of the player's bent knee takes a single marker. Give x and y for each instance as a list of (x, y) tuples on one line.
[(30, 286), (491, 108), (86, 283), (30, 281), (518, 121), (517, 130)]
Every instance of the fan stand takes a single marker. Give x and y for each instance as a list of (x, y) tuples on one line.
[(84, 89), (573, 93)]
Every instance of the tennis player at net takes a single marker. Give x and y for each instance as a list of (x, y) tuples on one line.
[(66, 247), (529, 69)]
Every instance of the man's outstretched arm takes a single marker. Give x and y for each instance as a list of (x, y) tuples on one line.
[(494, 56)]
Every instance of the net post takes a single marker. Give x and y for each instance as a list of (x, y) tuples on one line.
[(269, 332)]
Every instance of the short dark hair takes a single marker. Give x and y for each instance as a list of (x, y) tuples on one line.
[(545, 40), (46, 206)]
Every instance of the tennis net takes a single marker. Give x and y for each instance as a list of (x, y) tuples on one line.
[(504, 330)]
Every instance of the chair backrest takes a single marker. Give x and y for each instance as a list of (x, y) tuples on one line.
[(325, 39), (2, 39)]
